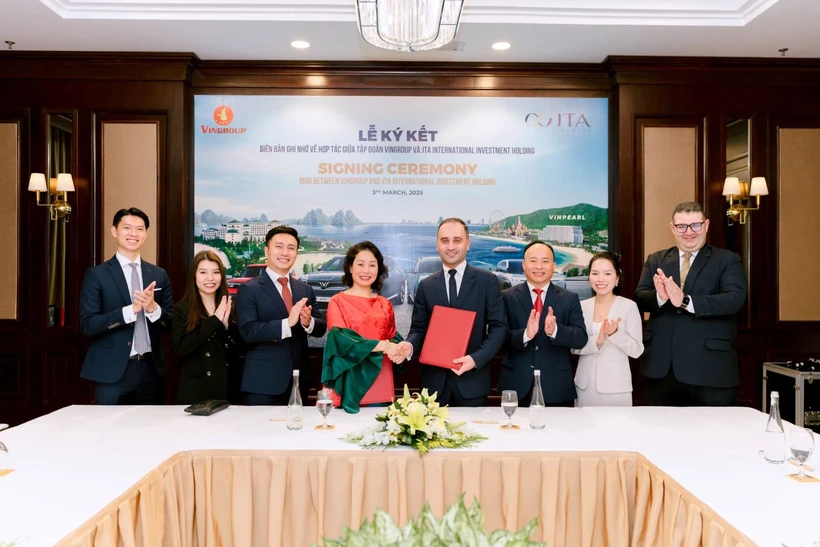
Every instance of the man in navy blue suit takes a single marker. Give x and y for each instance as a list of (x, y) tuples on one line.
[(459, 285), (275, 313), (545, 322), (120, 313)]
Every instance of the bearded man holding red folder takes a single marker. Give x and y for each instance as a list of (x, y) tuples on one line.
[(545, 322), (459, 285)]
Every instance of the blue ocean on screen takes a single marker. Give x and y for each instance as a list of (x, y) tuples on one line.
[(408, 242)]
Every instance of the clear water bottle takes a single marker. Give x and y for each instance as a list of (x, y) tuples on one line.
[(774, 444), (538, 412), (295, 410)]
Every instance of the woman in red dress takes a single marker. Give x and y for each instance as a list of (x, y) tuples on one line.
[(361, 333)]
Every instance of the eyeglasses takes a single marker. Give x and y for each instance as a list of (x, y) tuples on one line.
[(696, 227)]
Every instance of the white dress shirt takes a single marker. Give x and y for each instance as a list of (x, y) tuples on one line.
[(691, 306), (459, 277), (286, 332), (128, 314), (545, 288)]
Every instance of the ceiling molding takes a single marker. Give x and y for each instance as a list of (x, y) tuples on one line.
[(547, 12), (93, 65)]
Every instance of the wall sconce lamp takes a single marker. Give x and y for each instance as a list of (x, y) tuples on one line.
[(57, 189), (740, 197)]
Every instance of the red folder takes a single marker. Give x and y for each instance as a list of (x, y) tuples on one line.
[(447, 336)]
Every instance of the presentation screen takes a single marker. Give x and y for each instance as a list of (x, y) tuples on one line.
[(388, 169)]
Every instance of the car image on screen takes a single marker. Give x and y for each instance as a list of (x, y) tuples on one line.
[(250, 271), (327, 281)]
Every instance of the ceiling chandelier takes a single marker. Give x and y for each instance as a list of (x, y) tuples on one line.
[(409, 25)]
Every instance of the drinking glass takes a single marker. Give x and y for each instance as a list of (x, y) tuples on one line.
[(4, 452), (801, 444), (509, 404), (324, 402)]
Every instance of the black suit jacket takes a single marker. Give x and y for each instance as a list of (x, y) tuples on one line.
[(210, 365), (551, 356), (270, 359), (700, 348), (103, 295), (480, 293)]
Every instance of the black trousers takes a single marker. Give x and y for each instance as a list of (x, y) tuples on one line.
[(282, 399), (527, 399), (451, 396), (140, 385), (669, 391), (260, 399)]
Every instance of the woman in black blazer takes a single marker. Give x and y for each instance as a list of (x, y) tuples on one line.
[(205, 335)]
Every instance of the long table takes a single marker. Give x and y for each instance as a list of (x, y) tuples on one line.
[(86, 475)]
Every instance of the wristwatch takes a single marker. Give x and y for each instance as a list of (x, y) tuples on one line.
[(684, 303)]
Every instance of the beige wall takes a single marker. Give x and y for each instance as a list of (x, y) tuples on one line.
[(130, 179), (670, 165), (799, 225), (10, 190)]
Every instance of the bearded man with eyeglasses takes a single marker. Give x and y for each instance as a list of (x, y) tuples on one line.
[(693, 293)]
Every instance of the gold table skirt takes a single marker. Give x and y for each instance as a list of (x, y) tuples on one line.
[(219, 498)]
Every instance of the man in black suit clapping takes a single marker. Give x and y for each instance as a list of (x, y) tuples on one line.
[(692, 292), (545, 322)]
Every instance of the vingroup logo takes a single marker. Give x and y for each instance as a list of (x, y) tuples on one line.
[(223, 116)]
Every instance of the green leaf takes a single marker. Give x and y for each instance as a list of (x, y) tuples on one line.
[(460, 525)]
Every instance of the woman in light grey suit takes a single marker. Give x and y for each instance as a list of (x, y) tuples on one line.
[(615, 334)]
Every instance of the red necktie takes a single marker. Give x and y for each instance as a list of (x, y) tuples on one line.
[(538, 305), (286, 296)]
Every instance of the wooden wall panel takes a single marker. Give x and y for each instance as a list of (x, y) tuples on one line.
[(130, 166), (799, 224), (670, 176), (14, 379), (10, 187), (96, 87)]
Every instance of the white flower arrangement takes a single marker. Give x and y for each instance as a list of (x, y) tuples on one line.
[(417, 421), (460, 526)]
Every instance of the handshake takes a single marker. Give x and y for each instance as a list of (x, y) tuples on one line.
[(400, 352)]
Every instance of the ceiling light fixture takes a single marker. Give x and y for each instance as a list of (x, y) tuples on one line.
[(409, 25), (501, 46), (300, 44)]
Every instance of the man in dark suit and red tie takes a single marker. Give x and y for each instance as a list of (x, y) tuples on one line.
[(459, 285), (276, 314), (125, 303), (693, 293), (545, 323)]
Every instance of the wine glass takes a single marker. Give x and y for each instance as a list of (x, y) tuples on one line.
[(509, 404), (324, 402), (4, 452), (801, 444)]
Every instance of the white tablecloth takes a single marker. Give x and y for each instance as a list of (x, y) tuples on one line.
[(70, 464)]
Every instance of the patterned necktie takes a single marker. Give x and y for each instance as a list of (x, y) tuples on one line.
[(684, 269), (286, 296), (141, 344), (453, 289), (538, 305)]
